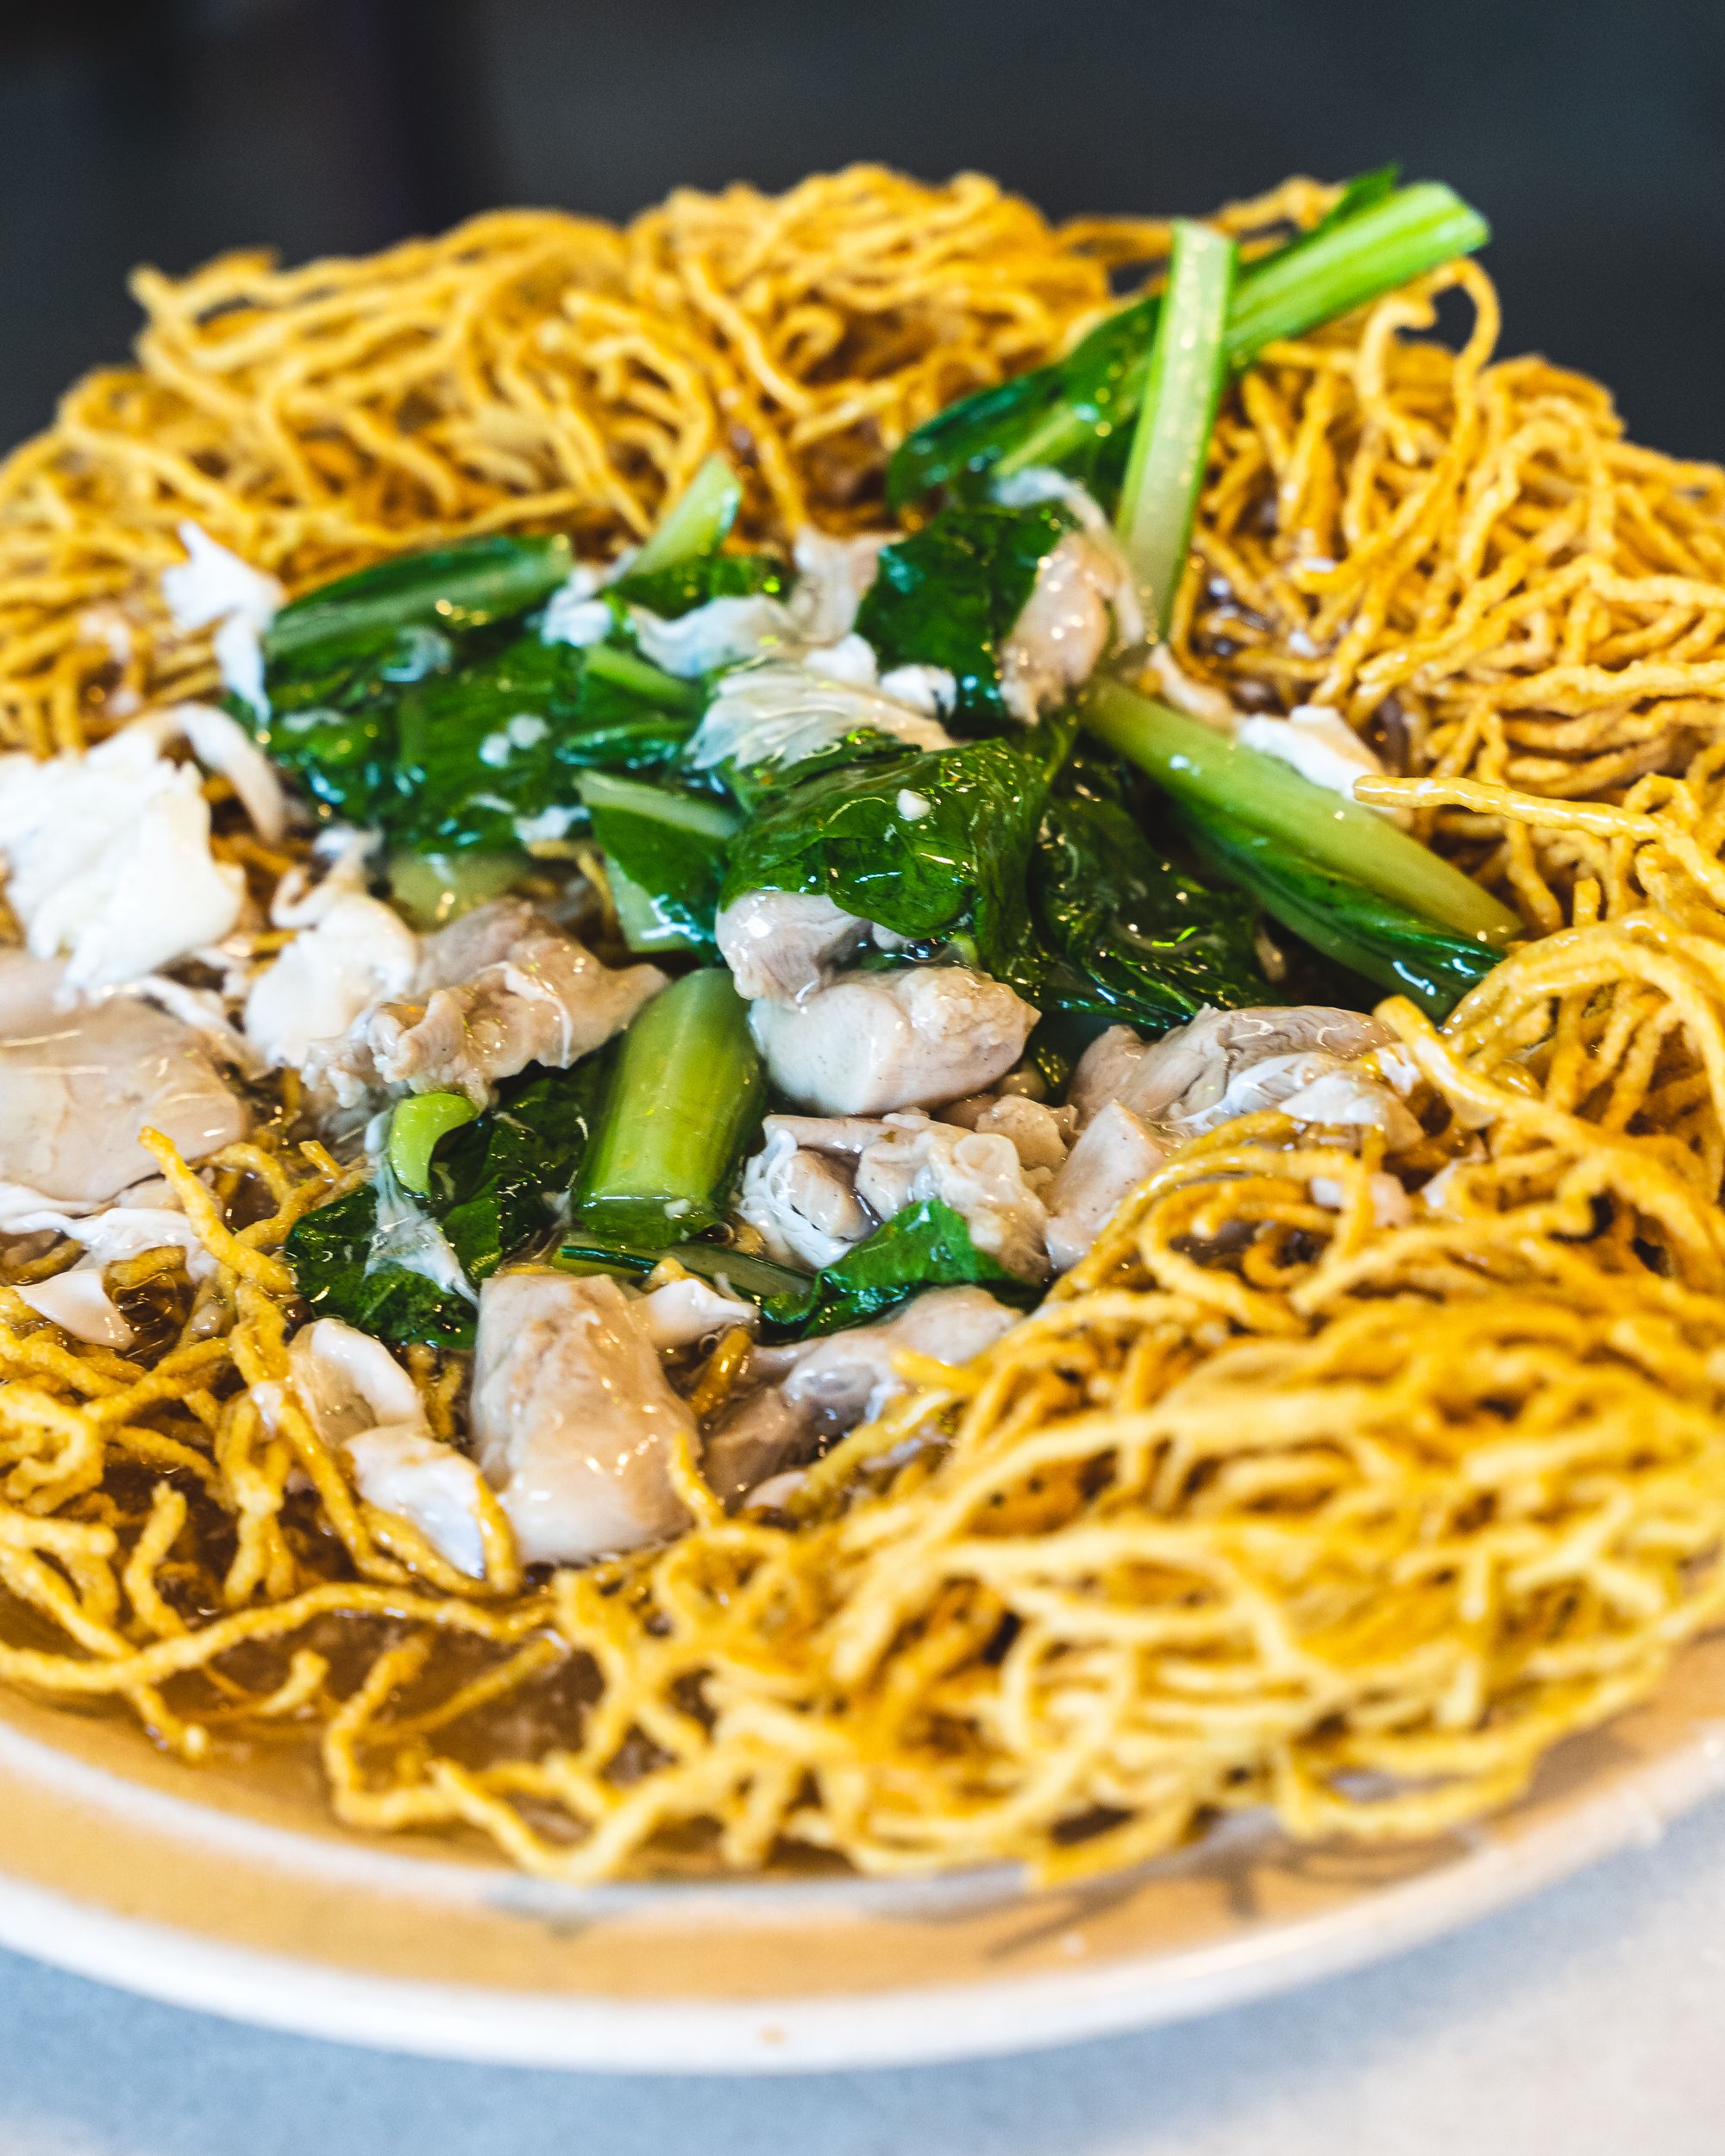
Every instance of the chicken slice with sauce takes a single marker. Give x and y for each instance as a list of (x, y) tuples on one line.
[(361, 1403), (574, 1418)]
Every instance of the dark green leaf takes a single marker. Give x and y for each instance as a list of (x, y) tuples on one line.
[(687, 584), (494, 1185), (1383, 943), (667, 852), (331, 1251), (1118, 931), (958, 861), (926, 1245), (469, 585), (949, 595), (484, 749)]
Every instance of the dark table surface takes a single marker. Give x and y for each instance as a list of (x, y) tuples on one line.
[(1592, 132)]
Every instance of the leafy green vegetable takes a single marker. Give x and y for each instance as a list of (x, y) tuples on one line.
[(342, 1273), (1343, 918), (925, 1245), (666, 853), (1171, 441), (493, 1185), (926, 843), (1118, 932), (684, 1101), (469, 585), (1078, 414), (682, 585), (486, 751), (949, 595), (434, 889)]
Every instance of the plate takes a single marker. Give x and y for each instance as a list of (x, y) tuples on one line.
[(228, 1889)]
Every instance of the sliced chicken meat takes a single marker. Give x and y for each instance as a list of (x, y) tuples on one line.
[(356, 952), (876, 1042), (815, 1392), (820, 1184), (499, 989), (1041, 1136), (77, 1086), (1113, 1154), (802, 1204), (360, 1402), (574, 1418), (680, 1314), (108, 859), (1066, 624), (978, 1174), (784, 944), (1227, 1063)]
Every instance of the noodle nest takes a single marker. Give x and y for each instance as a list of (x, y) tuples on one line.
[(1335, 1480)]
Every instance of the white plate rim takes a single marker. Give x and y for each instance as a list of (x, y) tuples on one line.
[(889, 2027)]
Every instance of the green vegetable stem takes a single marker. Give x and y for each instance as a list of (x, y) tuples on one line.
[(1078, 413), (469, 585), (1171, 441), (1199, 766), (415, 1127), (1338, 915), (685, 1099), (696, 523)]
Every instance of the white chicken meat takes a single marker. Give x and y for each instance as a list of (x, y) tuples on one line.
[(574, 1418), (872, 1043), (77, 1086)]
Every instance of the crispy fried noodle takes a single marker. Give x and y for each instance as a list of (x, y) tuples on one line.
[(1340, 1478)]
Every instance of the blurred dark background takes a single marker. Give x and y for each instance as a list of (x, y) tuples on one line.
[(1593, 136)]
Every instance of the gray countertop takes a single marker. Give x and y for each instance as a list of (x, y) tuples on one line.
[(1586, 2021)]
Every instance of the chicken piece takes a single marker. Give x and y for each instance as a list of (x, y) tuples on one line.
[(550, 1001), (1225, 1063), (785, 944), (214, 586), (495, 991), (430, 1485), (803, 1208), (680, 1313), (1112, 1156), (876, 1042), (977, 1173), (357, 952), (1066, 625), (75, 1088), (574, 1418), (805, 1395), (361, 1403), (762, 1434), (1041, 1136), (109, 862), (833, 579), (787, 710), (79, 1303), (347, 1382)]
